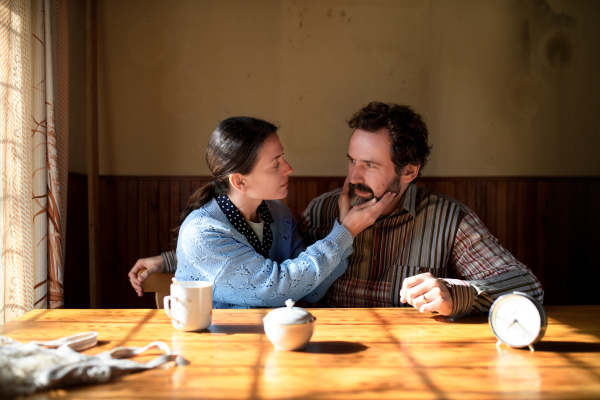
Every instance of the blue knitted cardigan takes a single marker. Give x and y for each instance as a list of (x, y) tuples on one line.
[(209, 248)]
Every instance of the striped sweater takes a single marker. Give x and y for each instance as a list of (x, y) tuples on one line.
[(429, 232)]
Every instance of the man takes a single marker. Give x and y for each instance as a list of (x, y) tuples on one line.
[(427, 250), (422, 236)]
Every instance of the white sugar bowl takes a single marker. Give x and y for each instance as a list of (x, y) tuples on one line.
[(289, 328)]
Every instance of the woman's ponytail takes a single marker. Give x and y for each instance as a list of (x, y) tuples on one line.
[(232, 148)]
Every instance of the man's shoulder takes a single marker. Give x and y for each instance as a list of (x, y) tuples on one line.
[(428, 196), (320, 216)]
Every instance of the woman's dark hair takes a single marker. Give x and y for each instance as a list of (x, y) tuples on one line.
[(407, 129), (232, 148)]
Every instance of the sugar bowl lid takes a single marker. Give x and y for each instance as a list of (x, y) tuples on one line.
[(289, 315)]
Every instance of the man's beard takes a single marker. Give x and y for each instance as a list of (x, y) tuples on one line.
[(393, 186)]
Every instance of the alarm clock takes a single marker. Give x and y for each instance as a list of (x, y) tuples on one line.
[(518, 320)]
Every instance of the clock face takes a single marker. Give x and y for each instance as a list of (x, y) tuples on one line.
[(516, 320)]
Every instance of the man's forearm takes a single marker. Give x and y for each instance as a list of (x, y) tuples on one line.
[(477, 296), (486, 270)]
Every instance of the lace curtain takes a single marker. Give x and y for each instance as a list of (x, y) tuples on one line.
[(33, 155)]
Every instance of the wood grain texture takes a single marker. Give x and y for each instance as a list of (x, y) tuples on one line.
[(157, 282), (77, 293), (160, 285), (353, 354), (550, 224), (95, 281)]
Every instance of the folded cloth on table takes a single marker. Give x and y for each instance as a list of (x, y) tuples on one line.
[(28, 367)]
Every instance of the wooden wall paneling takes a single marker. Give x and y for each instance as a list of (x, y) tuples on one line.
[(143, 218), (556, 258), (521, 211), (133, 247), (531, 231), (109, 293), (174, 206), (444, 187), (426, 183), (566, 256), (471, 195), (592, 238), (164, 226), (543, 217), (77, 274), (147, 237), (450, 188), (333, 184), (153, 217), (94, 264), (512, 239), (322, 187), (439, 186), (502, 212), (108, 229), (550, 224), (311, 193), (580, 288), (195, 184), (481, 200), (184, 194), (460, 190), (491, 202), (301, 197)]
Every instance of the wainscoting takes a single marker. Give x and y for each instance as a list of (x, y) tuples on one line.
[(552, 225)]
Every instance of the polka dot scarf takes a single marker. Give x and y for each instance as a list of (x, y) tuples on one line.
[(237, 220)]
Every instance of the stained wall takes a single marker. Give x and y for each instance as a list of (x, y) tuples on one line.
[(508, 88)]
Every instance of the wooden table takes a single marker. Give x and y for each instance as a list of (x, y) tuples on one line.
[(354, 353)]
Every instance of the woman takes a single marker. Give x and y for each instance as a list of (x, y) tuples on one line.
[(237, 234)]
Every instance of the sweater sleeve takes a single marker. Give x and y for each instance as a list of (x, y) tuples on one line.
[(485, 269), (298, 244), (243, 277), (321, 290)]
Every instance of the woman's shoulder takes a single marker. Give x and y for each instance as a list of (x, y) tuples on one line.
[(208, 215)]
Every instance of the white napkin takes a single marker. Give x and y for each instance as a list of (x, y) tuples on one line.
[(28, 367), (78, 342)]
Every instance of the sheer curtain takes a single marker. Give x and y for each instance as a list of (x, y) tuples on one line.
[(34, 148)]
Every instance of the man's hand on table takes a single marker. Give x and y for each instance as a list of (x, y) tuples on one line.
[(151, 265), (436, 295)]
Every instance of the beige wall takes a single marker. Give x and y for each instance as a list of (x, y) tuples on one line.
[(507, 87), (77, 87)]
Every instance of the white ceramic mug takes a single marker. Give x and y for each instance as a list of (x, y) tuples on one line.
[(190, 305)]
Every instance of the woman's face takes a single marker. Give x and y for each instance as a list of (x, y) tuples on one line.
[(269, 178)]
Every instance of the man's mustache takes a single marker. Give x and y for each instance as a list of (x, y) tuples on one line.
[(360, 187)]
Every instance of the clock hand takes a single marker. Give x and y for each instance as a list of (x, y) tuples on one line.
[(519, 325)]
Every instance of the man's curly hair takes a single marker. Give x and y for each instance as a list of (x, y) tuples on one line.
[(407, 130)]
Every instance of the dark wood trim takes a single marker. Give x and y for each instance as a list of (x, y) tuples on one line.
[(329, 178), (552, 224), (92, 153)]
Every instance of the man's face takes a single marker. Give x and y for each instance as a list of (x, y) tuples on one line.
[(371, 172)]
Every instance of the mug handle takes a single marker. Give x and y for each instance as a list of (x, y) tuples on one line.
[(166, 304)]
